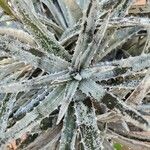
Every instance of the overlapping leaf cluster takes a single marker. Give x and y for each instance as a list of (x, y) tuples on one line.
[(65, 64)]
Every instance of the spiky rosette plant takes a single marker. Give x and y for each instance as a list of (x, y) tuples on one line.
[(69, 67)]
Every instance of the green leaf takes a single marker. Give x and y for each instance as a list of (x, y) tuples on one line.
[(117, 146)]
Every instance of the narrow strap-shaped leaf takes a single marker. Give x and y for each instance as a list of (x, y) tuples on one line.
[(70, 32), (66, 13), (74, 8), (137, 63), (68, 135), (119, 9), (36, 83), (71, 11), (70, 91), (70, 35), (90, 88), (132, 143), (51, 24), (33, 118), (58, 17), (87, 31), (5, 110), (137, 135), (91, 71), (103, 72), (109, 117), (47, 62), (92, 49), (6, 61), (44, 38), (87, 124), (28, 107), (10, 68), (20, 73), (124, 83), (24, 73), (123, 68), (113, 102), (129, 113), (83, 3), (18, 34), (122, 8), (118, 38), (140, 91), (12, 77), (126, 22), (50, 138), (147, 44)]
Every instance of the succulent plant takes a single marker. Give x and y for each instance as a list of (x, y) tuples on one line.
[(72, 76)]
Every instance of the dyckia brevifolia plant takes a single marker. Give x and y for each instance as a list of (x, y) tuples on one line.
[(74, 75)]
